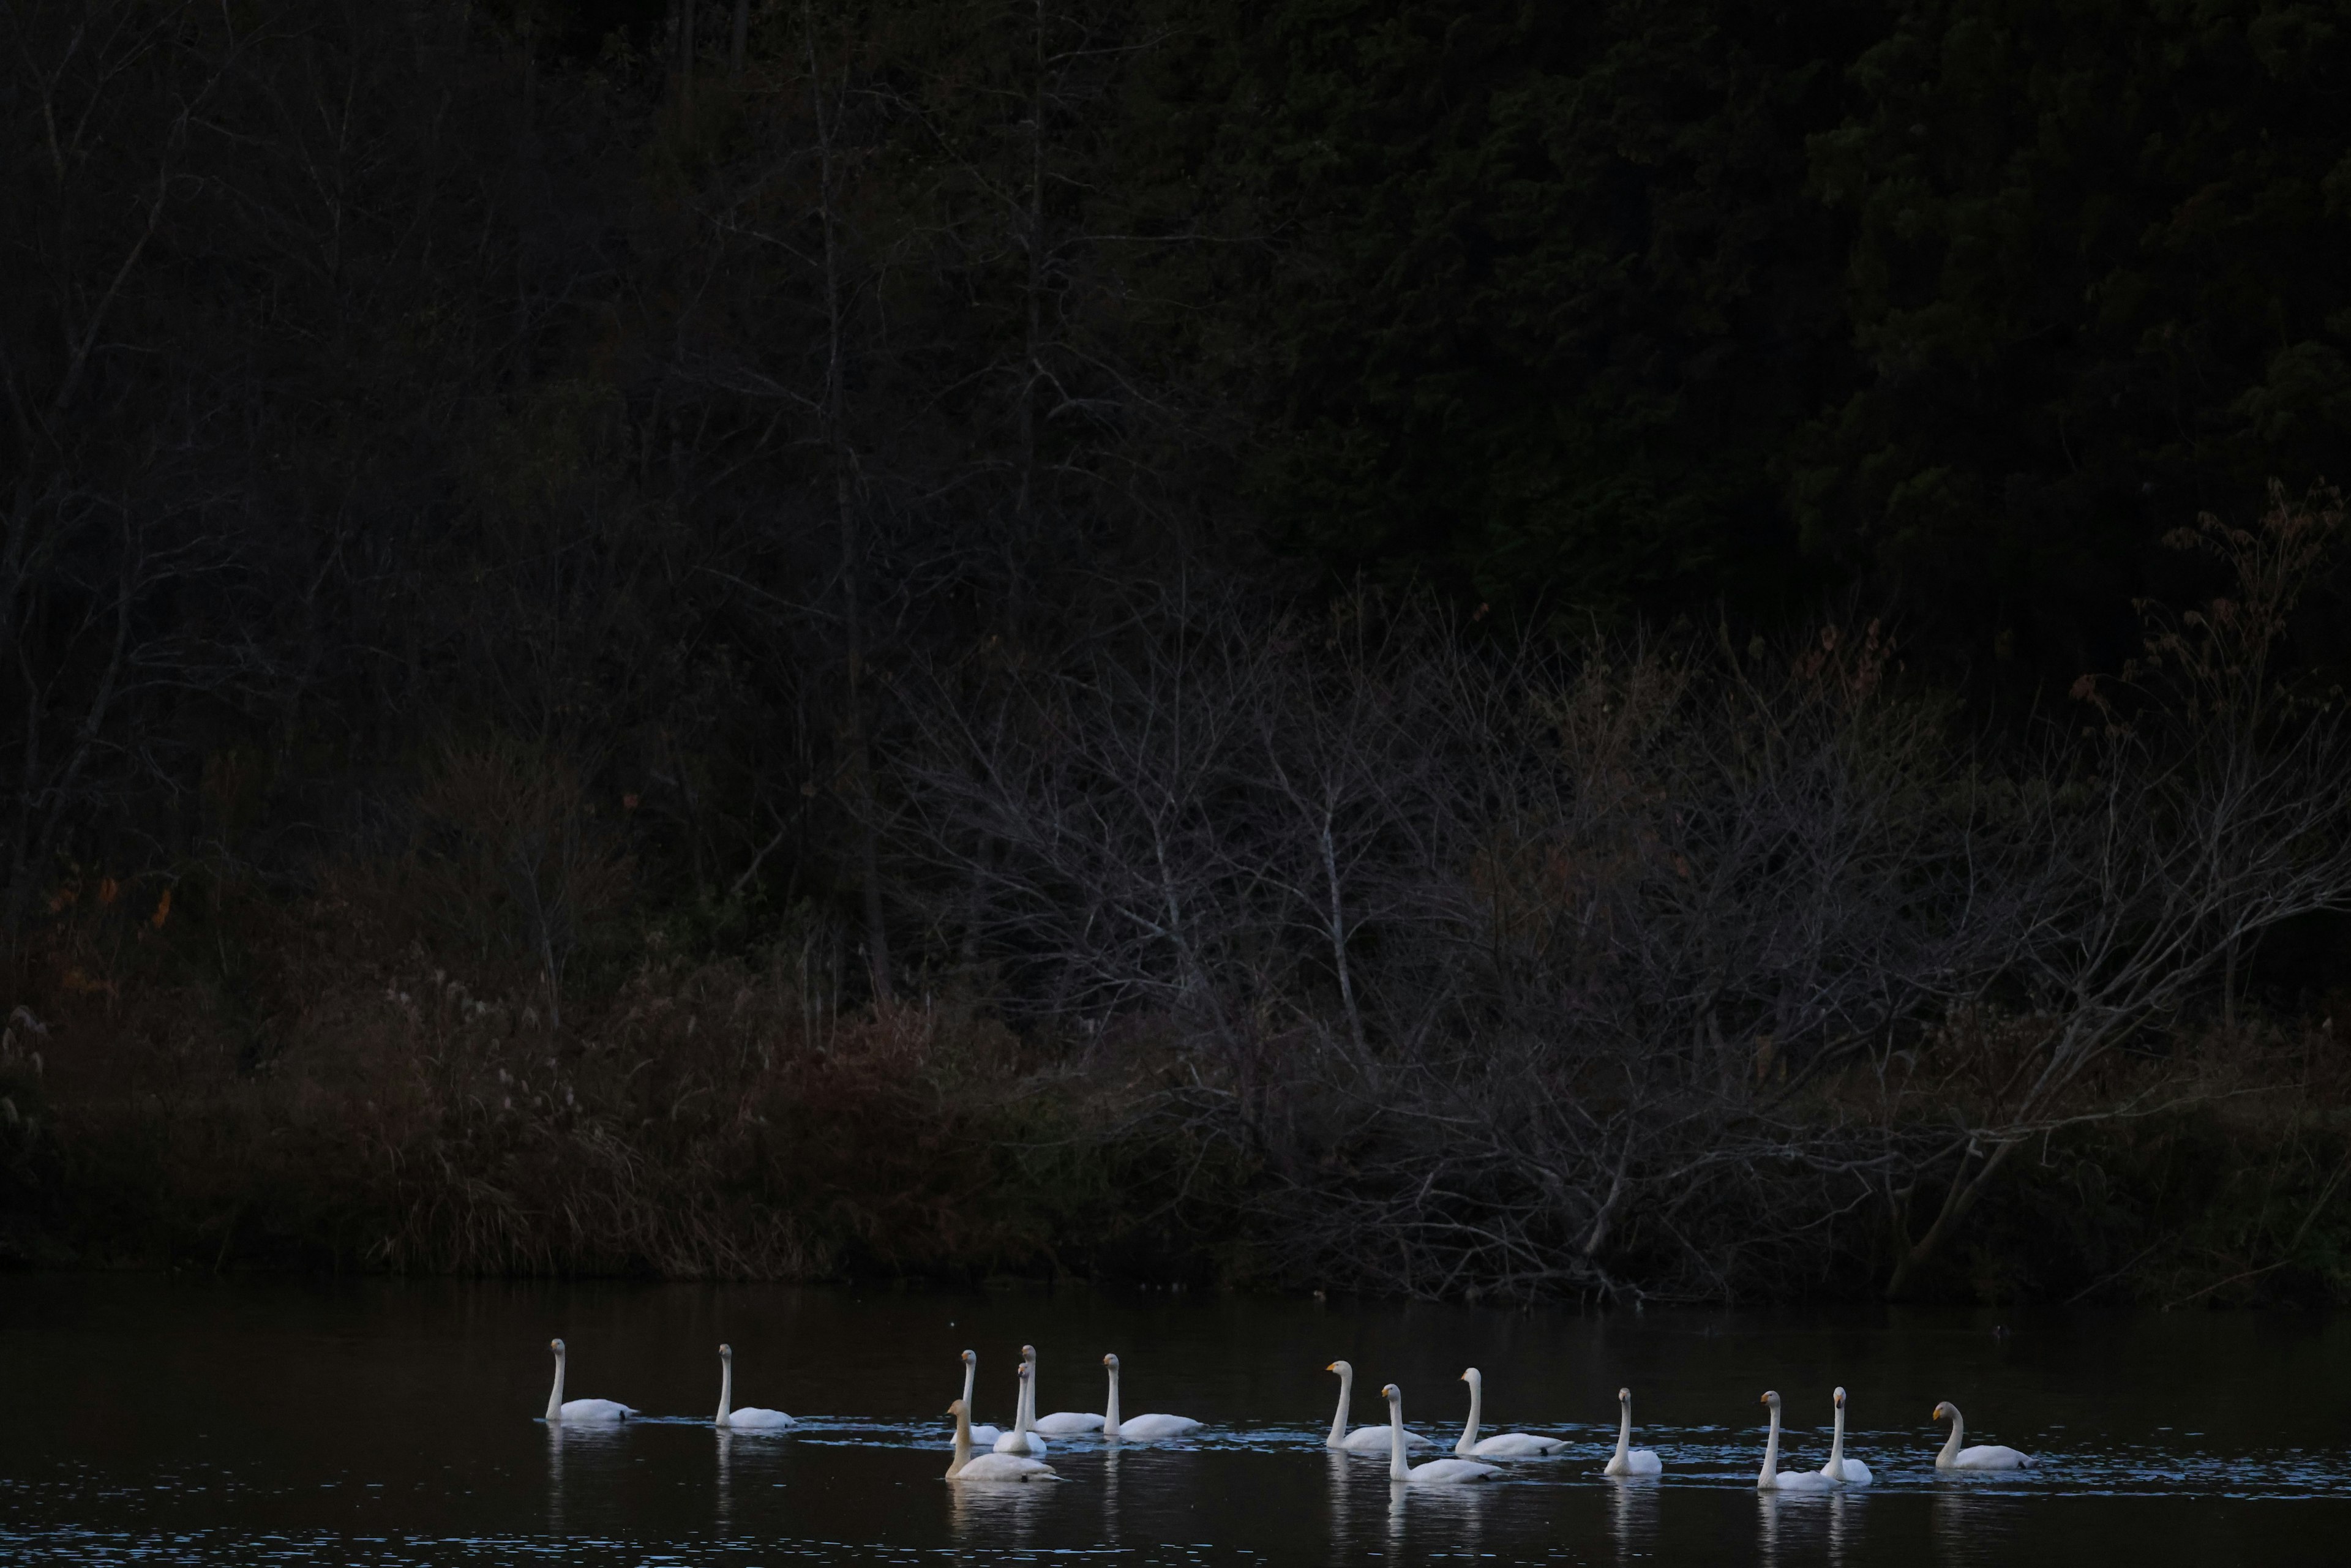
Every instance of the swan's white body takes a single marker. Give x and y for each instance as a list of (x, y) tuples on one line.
[(750, 1418), (1773, 1478), (1436, 1472), (1628, 1461), (1139, 1428), (1984, 1456), (1852, 1472), (1060, 1423), (983, 1435), (1363, 1439), (580, 1412), (967, 1465), (1022, 1440), (1501, 1444)]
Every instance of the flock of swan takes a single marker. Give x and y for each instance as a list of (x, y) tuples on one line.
[(1017, 1455)]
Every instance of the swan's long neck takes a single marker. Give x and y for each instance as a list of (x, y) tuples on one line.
[(1109, 1410), (970, 1368), (1021, 1409), (1836, 1446), (725, 1388), (963, 1442), (1951, 1454), (1028, 1416), (1397, 1470), (1771, 1452), (1623, 1432), (555, 1395), (1469, 1443), (1339, 1420)]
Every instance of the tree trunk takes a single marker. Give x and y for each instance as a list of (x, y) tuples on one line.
[(846, 520)]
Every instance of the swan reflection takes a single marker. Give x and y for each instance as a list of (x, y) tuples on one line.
[(1633, 1516), (1458, 1512), (555, 1478), (726, 1482), (1336, 1480), (583, 1444), (997, 1514), (1110, 1494)]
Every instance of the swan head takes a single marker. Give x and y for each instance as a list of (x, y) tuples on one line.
[(1392, 1393), (1021, 1372), (969, 1359), (957, 1408), (1029, 1354), (1840, 1398), (1772, 1399), (1111, 1362), (1945, 1411), (1624, 1396), (1471, 1377), (726, 1352), (556, 1346), (1341, 1367)]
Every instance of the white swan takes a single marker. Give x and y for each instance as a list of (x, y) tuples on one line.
[(750, 1418), (1022, 1440), (579, 1410), (1436, 1472), (986, 1435), (1060, 1423), (1139, 1428), (1985, 1457), (1852, 1472), (1501, 1444), (1773, 1478), (1363, 1439), (1628, 1461), (967, 1465)]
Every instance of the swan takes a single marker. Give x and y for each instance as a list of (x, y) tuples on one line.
[(1774, 1479), (1139, 1428), (1363, 1439), (986, 1435), (583, 1410), (967, 1465), (1501, 1444), (1628, 1461), (1436, 1472), (750, 1418), (1060, 1423), (1022, 1440), (1984, 1456), (1852, 1472)]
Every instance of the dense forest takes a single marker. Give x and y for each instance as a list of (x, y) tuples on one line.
[(1622, 652)]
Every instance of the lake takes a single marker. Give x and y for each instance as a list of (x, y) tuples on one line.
[(167, 1419)]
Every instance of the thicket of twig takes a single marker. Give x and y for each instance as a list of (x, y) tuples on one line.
[(1649, 969)]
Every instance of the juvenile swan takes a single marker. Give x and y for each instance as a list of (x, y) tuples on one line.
[(1773, 1478), (986, 1435), (1139, 1428), (1629, 1460), (967, 1465), (1501, 1444), (1985, 1457), (1852, 1472), (1436, 1472), (579, 1410), (750, 1418), (1363, 1439)]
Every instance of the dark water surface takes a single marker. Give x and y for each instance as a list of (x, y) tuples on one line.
[(155, 1420)]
